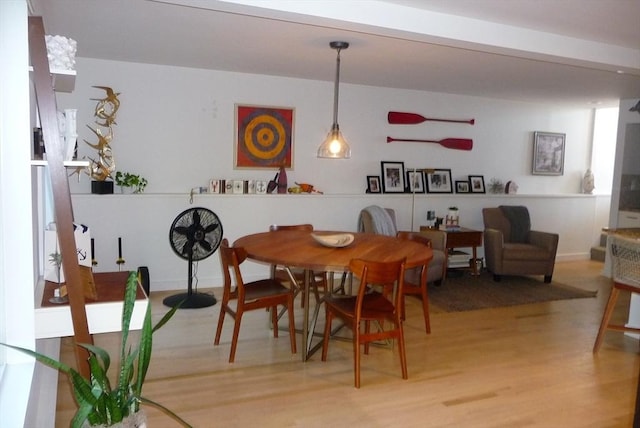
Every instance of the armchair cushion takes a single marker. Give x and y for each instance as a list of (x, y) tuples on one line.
[(520, 223)]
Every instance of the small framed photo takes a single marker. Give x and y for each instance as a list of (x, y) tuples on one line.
[(373, 184), (392, 177), (548, 153), (439, 181), (462, 186), (415, 179), (476, 184)]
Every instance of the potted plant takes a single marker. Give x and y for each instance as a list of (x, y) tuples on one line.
[(136, 182), (100, 404)]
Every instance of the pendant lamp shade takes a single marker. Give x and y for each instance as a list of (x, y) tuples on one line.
[(335, 146)]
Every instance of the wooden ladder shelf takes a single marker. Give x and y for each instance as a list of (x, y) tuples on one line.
[(63, 209)]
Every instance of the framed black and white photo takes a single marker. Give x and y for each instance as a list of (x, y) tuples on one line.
[(439, 181), (462, 186), (548, 153), (392, 177), (415, 179), (476, 184), (373, 184)]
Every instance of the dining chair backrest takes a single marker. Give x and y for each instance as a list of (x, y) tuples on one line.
[(388, 275), (414, 236), (232, 258), (625, 257)]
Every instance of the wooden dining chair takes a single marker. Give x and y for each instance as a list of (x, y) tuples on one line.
[(625, 269), (260, 294), (319, 279), (379, 299), (415, 279)]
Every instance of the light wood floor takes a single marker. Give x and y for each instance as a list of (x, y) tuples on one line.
[(524, 366)]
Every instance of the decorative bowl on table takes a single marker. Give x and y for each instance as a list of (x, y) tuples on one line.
[(336, 240)]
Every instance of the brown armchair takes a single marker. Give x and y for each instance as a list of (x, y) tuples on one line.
[(512, 248), (373, 220)]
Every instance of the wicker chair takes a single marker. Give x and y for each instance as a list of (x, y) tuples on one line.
[(625, 257)]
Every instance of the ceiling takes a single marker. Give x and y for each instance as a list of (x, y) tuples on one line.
[(578, 52)]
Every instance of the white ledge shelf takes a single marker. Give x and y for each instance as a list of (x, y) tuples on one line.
[(67, 164), (103, 315), (62, 80)]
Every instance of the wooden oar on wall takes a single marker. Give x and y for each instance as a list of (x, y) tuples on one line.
[(449, 143), (401, 118)]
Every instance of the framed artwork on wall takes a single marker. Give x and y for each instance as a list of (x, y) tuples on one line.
[(439, 181), (392, 177), (462, 186), (373, 184), (264, 137), (415, 179), (476, 184), (548, 153)]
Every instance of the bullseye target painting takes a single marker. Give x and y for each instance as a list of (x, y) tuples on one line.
[(264, 137)]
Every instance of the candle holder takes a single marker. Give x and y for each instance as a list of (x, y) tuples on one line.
[(58, 296)]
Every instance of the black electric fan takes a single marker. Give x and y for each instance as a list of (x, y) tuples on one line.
[(194, 235)]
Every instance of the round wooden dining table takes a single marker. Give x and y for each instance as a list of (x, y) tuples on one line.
[(297, 248)]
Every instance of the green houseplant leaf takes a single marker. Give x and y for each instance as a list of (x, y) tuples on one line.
[(98, 403)]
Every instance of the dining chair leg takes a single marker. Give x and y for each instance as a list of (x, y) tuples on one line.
[(403, 354), (606, 316), (327, 333), (274, 320), (234, 339), (425, 309), (223, 313), (292, 325), (356, 356), (367, 330)]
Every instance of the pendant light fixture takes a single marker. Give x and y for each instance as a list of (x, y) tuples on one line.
[(334, 145)]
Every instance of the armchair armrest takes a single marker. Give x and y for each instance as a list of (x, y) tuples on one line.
[(438, 238), (546, 240), (493, 243)]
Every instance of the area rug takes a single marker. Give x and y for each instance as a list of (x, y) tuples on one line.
[(468, 293)]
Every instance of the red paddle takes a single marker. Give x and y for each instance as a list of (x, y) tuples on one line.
[(449, 143), (400, 118)]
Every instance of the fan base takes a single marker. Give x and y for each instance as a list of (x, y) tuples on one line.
[(190, 300)]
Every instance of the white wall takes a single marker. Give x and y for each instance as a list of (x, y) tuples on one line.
[(175, 126)]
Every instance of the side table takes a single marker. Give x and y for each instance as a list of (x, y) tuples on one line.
[(463, 238)]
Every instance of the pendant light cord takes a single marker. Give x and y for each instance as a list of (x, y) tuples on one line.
[(335, 91)]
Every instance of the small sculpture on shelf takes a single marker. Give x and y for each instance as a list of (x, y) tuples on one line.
[(303, 188), (104, 166), (60, 293), (452, 219), (496, 186), (588, 182)]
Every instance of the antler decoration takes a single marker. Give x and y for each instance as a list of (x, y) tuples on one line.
[(101, 168)]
